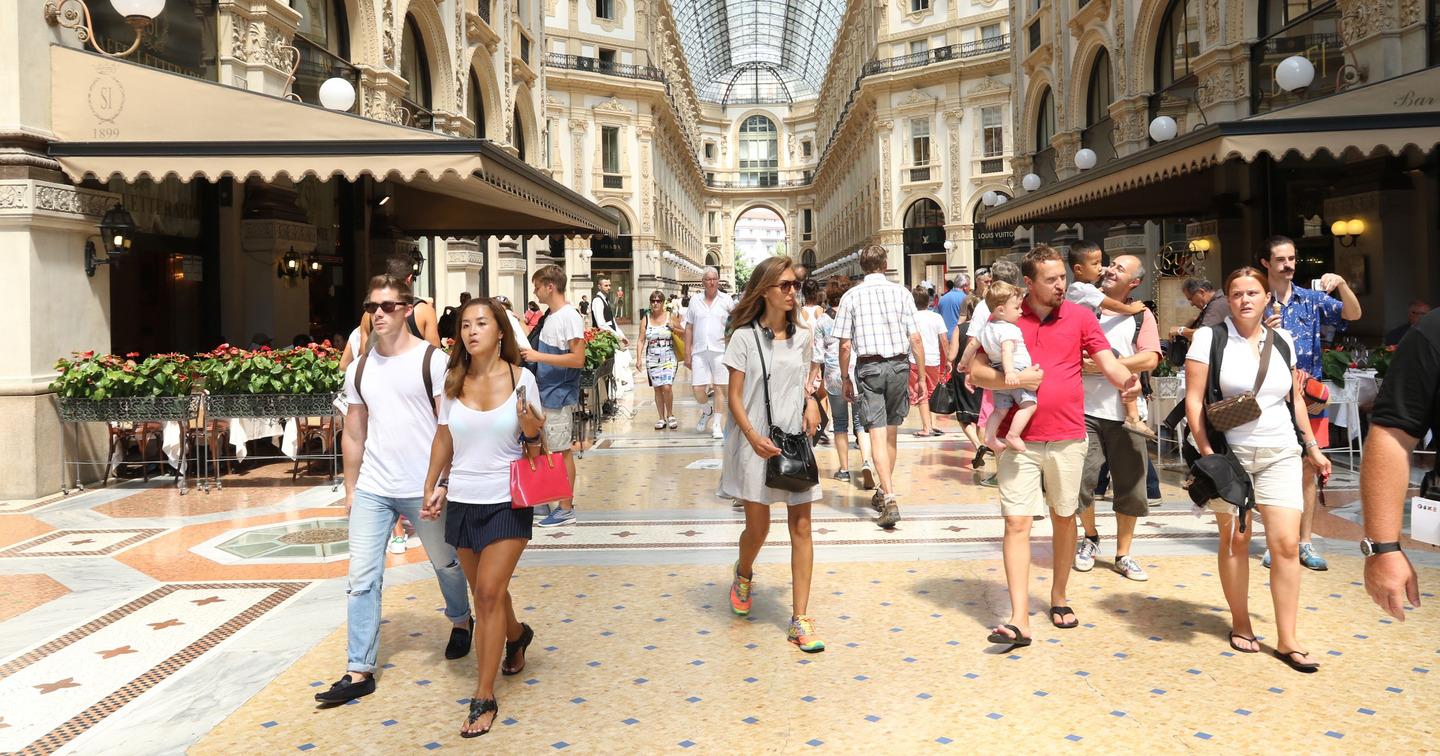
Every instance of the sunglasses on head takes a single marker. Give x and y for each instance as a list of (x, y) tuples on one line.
[(788, 286), (388, 307)]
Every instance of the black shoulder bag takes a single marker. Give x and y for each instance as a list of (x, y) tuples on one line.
[(794, 468)]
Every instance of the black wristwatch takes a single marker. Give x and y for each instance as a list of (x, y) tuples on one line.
[(1370, 548)]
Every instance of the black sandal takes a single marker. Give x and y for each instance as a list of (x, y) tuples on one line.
[(1019, 640), (479, 707), (1289, 658), (1056, 612), (1234, 645), (979, 458), (515, 647)]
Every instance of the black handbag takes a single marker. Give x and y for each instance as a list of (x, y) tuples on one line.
[(944, 401), (794, 468)]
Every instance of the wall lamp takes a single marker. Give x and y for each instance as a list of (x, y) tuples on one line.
[(417, 263), (117, 232), (289, 266), (75, 14), (1347, 232)]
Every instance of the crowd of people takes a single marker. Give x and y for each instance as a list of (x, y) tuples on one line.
[(1041, 364)]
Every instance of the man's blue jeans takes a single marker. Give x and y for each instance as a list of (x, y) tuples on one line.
[(372, 518)]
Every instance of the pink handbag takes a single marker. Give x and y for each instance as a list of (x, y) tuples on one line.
[(539, 480)]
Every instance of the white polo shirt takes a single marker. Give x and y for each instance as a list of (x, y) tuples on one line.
[(708, 320)]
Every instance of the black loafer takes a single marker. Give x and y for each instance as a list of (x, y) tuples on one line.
[(345, 689), (459, 645)]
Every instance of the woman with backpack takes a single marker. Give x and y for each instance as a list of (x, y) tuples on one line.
[(1256, 404)]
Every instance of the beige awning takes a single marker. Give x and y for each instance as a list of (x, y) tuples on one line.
[(115, 119), (1389, 117)]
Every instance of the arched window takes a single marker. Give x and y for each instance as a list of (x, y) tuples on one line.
[(759, 153), (1179, 42), (415, 65), (924, 214), (1101, 92), (1045, 122), (476, 106), (519, 135), (323, 23)]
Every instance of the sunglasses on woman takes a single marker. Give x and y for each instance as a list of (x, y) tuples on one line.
[(388, 307), (788, 286)]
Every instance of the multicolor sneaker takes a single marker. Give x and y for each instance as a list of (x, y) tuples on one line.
[(740, 592), (397, 545), (558, 516), (1311, 558), (802, 634)]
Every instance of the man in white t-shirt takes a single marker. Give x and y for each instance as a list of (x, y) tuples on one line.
[(705, 321), (559, 356), (393, 392), (1137, 344), (936, 339)]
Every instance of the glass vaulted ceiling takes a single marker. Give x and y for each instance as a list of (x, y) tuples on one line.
[(758, 51)]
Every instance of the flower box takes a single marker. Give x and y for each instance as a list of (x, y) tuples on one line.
[(588, 378), (133, 409), (270, 405)]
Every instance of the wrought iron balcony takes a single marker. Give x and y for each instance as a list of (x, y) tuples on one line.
[(609, 68), (759, 180), (316, 65), (939, 54)]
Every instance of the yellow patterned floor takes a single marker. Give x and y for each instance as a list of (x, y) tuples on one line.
[(647, 659)]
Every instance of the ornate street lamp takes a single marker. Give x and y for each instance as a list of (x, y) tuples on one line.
[(75, 14), (117, 231)]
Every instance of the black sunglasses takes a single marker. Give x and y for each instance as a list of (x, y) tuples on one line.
[(788, 286), (388, 307)]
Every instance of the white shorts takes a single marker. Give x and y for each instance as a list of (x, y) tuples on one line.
[(706, 369), (1276, 474)]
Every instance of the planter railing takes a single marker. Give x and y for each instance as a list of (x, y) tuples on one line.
[(137, 410)]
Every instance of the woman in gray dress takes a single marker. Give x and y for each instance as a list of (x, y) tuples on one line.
[(763, 328)]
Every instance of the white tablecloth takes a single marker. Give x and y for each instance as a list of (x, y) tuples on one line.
[(242, 430), (1360, 390)]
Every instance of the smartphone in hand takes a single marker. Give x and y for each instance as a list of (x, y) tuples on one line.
[(521, 401)]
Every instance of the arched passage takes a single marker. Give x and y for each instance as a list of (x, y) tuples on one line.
[(924, 242), (759, 233), (613, 258)]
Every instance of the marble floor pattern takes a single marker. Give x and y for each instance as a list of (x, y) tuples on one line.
[(134, 619)]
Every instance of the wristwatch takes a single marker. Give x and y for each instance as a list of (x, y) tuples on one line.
[(1370, 548)]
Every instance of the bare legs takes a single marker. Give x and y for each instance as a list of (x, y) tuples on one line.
[(664, 402), (489, 574), (1282, 536), (1312, 496), (883, 449), (842, 449), (802, 548)]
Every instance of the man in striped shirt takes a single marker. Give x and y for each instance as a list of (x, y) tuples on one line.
[(876, 326)]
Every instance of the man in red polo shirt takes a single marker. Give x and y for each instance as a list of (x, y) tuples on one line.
[(1058, 335)]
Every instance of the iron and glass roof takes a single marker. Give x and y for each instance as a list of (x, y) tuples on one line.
[(758, 51)]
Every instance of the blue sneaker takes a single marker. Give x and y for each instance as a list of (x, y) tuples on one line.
[(542, 511), (1312, 559), (558, 517), (1265, 560)]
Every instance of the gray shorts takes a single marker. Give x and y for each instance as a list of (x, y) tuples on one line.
[(1004, 400), (884, 392), (1127, 456), (560, 428)]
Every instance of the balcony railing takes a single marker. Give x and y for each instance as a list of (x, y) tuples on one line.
[(763, 180), (992, 165), (416, 115), (609, 68), (612, 182), (316, 65), (919, 174), (939, 54)]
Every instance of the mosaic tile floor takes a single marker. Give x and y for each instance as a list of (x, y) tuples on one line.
[(136, 620)]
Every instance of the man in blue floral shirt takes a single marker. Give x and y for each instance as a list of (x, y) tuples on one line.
[(1303, 312)]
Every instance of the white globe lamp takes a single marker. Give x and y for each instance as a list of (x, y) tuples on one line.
[(337, 93), (988, 198), (1085, 159), (1295, 72), (1001, 199), (949, 245), (1163, 128), (148, 9), (1030, 182)]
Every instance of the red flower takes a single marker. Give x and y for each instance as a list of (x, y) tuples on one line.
[(1390, 348), (132, 355), (1354, 365), (326, 343), (89, 354)]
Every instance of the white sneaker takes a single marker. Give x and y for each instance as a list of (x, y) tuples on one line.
[(1130, 568), (718, 431), (659, 425), (706, 413), (1085, 555), (412, 542), (397, 545)]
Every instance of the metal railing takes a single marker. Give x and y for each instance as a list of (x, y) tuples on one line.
[(416, 115), (609, 68), (939, 54), (316, 66), (610, 181), (992, 165), (772, 180)]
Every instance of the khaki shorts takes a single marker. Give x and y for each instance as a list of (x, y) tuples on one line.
[(1046, 474), (1275, 473), (560, 428)]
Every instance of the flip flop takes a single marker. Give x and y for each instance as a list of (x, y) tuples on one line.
[(1289, 658), (1056, 612), (1019, 640), (1234, 635)]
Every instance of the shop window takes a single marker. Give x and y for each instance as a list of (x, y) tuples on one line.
[(610, 156), (1101, 93), (1045, 121), (759, 153), (476, 108), (323, 23), (1179, 43), (1315, 34), (1277, 14), (182, 40), (415, 65)]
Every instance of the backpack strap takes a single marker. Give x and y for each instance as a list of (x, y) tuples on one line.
[(360, 373), (1139, 317), (430, 351)]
